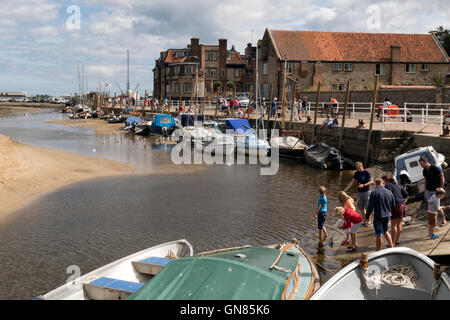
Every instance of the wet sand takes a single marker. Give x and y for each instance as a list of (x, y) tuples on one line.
[(11, 110), (100, 126), (27, 172)]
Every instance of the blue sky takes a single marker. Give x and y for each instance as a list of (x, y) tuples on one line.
[(39, 53)]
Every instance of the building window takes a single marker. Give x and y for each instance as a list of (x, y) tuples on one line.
[(337, 66), (348, 66), (265, 91), (338, 87), (177, 70), (179, 54), (213, 56), (410, 68), (167, 71), (212, 73), (222, 72), (228, 55), (290, 67), (187, 87), (236, 73), (188, 70), (177, 88), (167, 88), (265, 68), (380, 69), (425, 67)]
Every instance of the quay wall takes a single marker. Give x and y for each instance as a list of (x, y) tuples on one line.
[(441, 144)]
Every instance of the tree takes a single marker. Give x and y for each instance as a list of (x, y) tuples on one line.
[(443, 36)]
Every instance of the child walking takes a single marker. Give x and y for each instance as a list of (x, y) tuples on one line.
[(321, 215), (352, 220), (434, 208)]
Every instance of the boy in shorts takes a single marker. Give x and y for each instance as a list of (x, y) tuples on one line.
[(434, 208), (321, 215)]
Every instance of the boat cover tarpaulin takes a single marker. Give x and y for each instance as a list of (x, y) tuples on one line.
[(135, 120), (163, 120), (187, 119), (240, 126), (222, 276), (322, 156)]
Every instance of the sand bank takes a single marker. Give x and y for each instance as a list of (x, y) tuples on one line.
[(27, 171), (100, 126), (9, 110)]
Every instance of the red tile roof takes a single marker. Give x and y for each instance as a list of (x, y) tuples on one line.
[(172, 57), (235, 58), (351, 46)]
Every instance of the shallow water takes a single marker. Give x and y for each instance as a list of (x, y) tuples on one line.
[(93, 223)]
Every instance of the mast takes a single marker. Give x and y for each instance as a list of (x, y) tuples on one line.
[(128, 76), (82, 82)]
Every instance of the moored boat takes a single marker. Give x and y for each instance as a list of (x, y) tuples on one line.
[(244, 273), (288, 146), (121, 278), (391, 274)]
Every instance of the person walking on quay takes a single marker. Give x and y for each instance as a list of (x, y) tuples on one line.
[(363, 180), (433, 179), (352, 221), (399, 212), (346, 202), (434, 208), (273, 109), (321, 215), (304, 107), (381, 202)]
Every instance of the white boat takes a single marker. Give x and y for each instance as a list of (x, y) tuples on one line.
[(409, 173), (121, 278), (289, 146), (246, 138), (391, 274)]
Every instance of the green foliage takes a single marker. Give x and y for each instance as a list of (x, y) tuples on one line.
[(443, 36), (438, 81), (217, 84), (231, 85)]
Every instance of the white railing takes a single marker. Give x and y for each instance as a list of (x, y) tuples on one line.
[(422, 116)]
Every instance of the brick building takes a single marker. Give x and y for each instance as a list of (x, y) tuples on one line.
[(175, 70), (332, 58)]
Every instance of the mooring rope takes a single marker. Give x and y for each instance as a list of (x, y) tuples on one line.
[(400, 275)]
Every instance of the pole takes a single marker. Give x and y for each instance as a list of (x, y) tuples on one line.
[(315, 114), (170, 97), (284, 93), (250, 103), (375, 92), (196, 95), (128, 78), (232, 102), (294, 93), (217, 101), (341, 137)]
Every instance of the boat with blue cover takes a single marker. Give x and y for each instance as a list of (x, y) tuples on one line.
[(170, 271), (246, 139)]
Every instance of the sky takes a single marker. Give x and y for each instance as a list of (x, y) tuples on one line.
[(42, 41)]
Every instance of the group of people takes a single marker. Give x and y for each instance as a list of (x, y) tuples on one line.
[(387, 202)]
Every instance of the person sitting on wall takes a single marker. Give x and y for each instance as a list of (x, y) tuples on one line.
[(326, 122), (333, 123)]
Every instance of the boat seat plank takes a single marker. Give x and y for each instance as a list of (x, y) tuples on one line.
[(156, 261), (110, 289)]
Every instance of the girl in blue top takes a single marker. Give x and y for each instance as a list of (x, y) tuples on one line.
[(321, 214)]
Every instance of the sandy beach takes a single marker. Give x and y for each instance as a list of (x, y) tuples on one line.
[(27, 172)]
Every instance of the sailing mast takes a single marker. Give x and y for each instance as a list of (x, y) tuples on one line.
[(128, 77)]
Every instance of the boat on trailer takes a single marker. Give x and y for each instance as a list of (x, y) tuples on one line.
[(278, 272), (119, 279), (391, 274)]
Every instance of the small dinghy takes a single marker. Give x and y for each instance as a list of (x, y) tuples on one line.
[(120, 279), (391, 274), (288, 146), (322, 156), (277, 272)]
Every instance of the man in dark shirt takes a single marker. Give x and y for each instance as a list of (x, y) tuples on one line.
[(381, 202), (363, 180), (433, 179)]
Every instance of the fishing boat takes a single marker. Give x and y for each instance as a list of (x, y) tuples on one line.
[(119, 279), (131, 123), (163, 125), (114, 119), (246, 139), (409, 173), (391, 274), (289, 147), (279, 272)]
